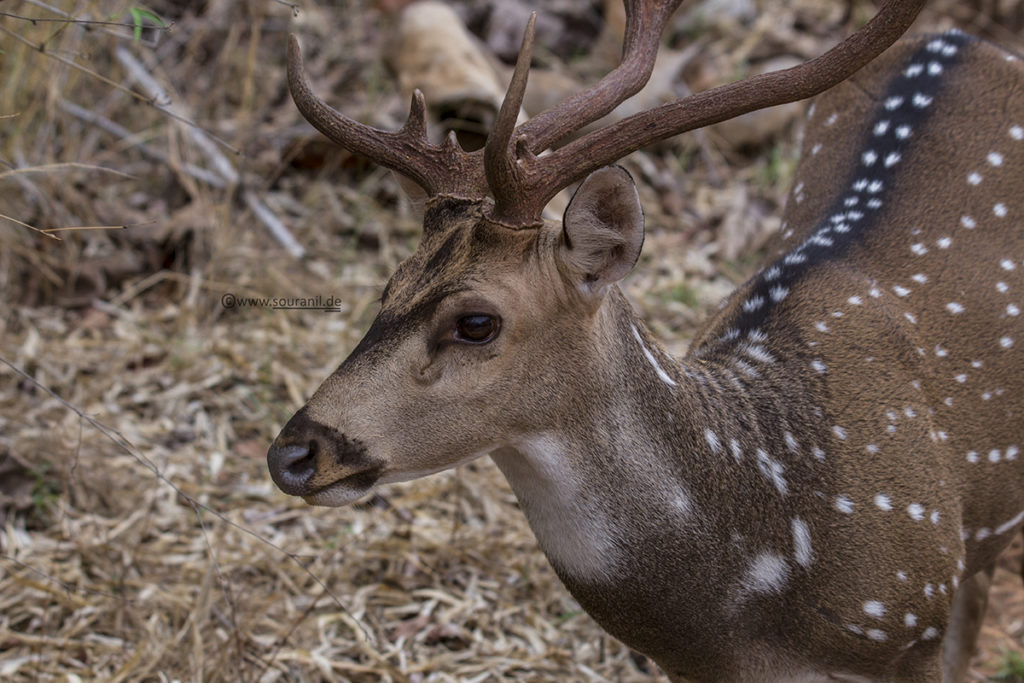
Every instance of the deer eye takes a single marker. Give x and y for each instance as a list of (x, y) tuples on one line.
[(478, 328)]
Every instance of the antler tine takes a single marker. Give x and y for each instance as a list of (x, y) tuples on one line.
[(545, 176), (500, 162), (442, 169), (645, 22)]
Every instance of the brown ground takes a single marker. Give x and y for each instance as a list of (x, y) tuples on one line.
[(140, 537)]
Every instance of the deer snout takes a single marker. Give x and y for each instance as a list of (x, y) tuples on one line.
[(320, 463), (292, 467)]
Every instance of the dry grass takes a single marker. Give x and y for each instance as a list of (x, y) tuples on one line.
[(140, 536)]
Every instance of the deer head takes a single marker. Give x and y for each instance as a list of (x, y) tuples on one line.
[(491, 332)]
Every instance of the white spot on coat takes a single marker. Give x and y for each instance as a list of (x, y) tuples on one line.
[(662, 375), (712, 440), (767, 573), (916, 511), (802, 552), (874, 608), (772, 470)]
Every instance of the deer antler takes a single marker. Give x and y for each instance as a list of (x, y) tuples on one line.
[(522, 182), (438, 169), (528, 182)]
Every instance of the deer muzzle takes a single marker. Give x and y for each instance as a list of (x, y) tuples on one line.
[(320, 463)]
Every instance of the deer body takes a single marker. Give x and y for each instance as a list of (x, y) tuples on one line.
[(820, 485)]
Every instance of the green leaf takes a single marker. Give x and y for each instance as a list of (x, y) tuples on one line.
[(139, 15)]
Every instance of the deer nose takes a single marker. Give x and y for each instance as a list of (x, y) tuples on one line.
[(292, 466)]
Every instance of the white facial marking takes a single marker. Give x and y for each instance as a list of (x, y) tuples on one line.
[(802, 552), (662, 375)]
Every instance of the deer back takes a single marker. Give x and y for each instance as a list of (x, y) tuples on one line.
[(894, 291)]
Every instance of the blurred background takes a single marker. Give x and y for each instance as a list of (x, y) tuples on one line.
[(154, 174)]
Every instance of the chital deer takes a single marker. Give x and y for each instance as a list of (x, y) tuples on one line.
[(819, 488)]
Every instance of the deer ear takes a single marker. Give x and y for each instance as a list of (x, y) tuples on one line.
[(603, 228)]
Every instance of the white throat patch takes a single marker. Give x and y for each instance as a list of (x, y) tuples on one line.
[(576, 536)]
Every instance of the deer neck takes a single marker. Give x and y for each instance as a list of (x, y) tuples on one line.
[(640, 457)]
